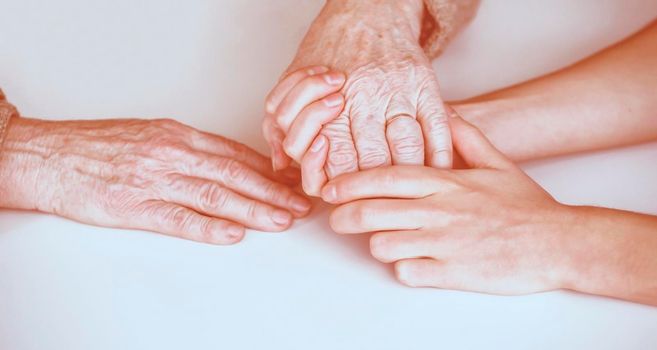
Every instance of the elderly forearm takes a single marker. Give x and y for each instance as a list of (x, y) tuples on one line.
[(613, 254), (359, 26), (607, 100)]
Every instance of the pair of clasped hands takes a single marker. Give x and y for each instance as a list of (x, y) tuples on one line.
[(390, 173)]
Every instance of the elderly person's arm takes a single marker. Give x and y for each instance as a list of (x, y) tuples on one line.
[(156, 175), (607, 100), (393, 113)]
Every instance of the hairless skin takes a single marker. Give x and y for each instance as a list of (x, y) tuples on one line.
[(489, 227), (607, 100)]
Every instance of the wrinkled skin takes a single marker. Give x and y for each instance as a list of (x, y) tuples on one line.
[(489, 228), (393, 113), (157, 175)]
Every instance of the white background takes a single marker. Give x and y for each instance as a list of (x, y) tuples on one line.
[(208, 63)]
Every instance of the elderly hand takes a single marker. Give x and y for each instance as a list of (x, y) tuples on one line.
[(156, 175), (487, 229), (393, 113)]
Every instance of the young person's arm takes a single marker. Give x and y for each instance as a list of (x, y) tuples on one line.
[(606, 100), (491, 229)]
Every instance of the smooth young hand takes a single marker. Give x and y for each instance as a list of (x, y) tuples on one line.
[(487, 229)]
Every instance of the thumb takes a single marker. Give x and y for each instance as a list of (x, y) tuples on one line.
[(474, 147)]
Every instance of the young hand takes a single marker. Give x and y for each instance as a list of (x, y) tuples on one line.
[(296, 110), (489, 228)]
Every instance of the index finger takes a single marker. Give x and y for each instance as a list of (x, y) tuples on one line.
[(398, 181), (287, 83)]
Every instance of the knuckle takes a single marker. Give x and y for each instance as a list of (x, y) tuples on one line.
[(275, 193), (373, 159), (179, 218), (408, 145), (252, 211), (205, 228), (342, 159), (234, 172), (213, 196)]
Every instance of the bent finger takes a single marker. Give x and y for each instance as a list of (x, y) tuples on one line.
[(312, 167), (307, 91), (309, 123), (286, 83), (435, 128)]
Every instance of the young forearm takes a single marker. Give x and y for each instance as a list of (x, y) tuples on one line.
[(607, 100), (612, 253)]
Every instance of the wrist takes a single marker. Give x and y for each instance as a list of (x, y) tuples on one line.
[(380, 15), (21, 160), (596, 259), (349, 33)]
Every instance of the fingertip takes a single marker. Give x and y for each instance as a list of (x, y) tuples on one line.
[(226, 234), (334, 78), (282, 218), (270, 106), (330, 193), (317, 70), (403, 272), (333, 100), (319, 144), (301, 206)]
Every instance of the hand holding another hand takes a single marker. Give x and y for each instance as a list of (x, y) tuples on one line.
[(489, 228), (392, 112)]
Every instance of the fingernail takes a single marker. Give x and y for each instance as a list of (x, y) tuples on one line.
[(317, 70), (235, 231), (300, 204), (281, 217), (318, 144), (330, 193), (333, 100), (334, 78)]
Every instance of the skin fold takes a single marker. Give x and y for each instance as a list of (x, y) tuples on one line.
[(392, 113), (156, 175)]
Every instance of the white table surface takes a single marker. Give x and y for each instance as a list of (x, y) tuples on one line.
[(209, 63)]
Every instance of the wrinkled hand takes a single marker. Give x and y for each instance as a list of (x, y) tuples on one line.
[(156, 175), (487, 229), (393, 113)]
